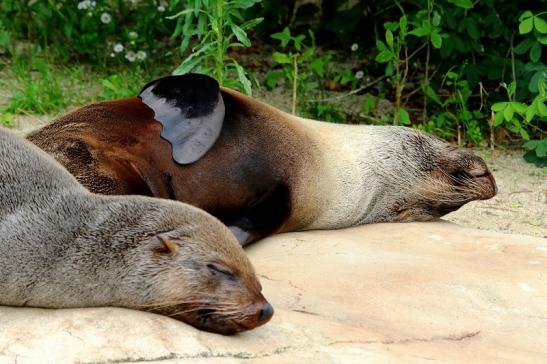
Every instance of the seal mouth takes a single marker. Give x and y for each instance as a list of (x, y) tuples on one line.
[(224, 320)]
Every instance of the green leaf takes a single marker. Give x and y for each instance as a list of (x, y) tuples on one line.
[(436, 40), (526, 25), (436, 20), (297, 41), (524, 134), (243, 80), (403, 23), (251, 23), (433, 95), (389, 38), (389, 69), (527, 14), (531, 144), (508, 112), (284, 36), (541, 149), (534, 81), (240, 35), (519, 107), (419, 31), (192, 61), (282, 58), (245, 4), (466, 4), (542, 108), (542, 39), (531, 157), (272, 78), (404, 117), (531, 112), (535, 53), (511, 89), (540, 24), (498, 119), (523, 46), (318, 67), (473, 29), (384, 56), (498, 106), (380, 45)]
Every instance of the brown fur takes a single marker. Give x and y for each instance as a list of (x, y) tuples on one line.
[(268, 171)]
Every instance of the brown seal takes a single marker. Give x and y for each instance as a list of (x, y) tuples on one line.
[(62, 246), (256, 168)]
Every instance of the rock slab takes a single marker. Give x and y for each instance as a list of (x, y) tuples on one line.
[(386, 293)]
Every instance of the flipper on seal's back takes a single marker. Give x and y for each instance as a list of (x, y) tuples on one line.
[(190, 109)]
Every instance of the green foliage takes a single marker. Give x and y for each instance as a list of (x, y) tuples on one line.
[(36, 86), (6, 46), (99, 31), (37, 90), (537, 152), (6, 119), (391, 53), (218, 28), (304, 68), (118, 86), (455, 117), (470, 35)]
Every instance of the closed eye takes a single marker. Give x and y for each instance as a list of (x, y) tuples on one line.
[(216, 270)]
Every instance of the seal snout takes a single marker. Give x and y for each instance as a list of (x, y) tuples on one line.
[(479, 179), (266, 313)]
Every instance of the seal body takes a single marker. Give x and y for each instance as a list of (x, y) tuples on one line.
[(62, 246), (261, 171)]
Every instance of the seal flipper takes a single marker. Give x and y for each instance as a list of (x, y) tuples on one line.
[(191, 110)]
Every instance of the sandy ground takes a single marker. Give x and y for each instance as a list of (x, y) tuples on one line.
[(519, 207)]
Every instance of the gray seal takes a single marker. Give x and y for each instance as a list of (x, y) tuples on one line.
[(63, 247)]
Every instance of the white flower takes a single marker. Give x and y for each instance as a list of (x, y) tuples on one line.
[(161, 8), (112, 55), (354, 47), (130, 56), (118, 47), (106, 18), (141, 55), (84, 5), (93, 3), (359, 74), (133, 35)]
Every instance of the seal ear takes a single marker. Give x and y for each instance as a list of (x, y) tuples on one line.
[(162, 245), (190, 109)]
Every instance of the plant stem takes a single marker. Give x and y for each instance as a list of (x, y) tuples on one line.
[(219, 66), (294, 83), (426, 71), (513, 66), (400, 86), (492, 138)]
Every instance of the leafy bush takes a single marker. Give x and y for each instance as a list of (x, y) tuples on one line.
[(99, 31), (214, 24)]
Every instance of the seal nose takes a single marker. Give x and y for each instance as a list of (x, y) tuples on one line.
[(266, 313)]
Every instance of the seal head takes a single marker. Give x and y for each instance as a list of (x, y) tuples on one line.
[(64, 247)]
